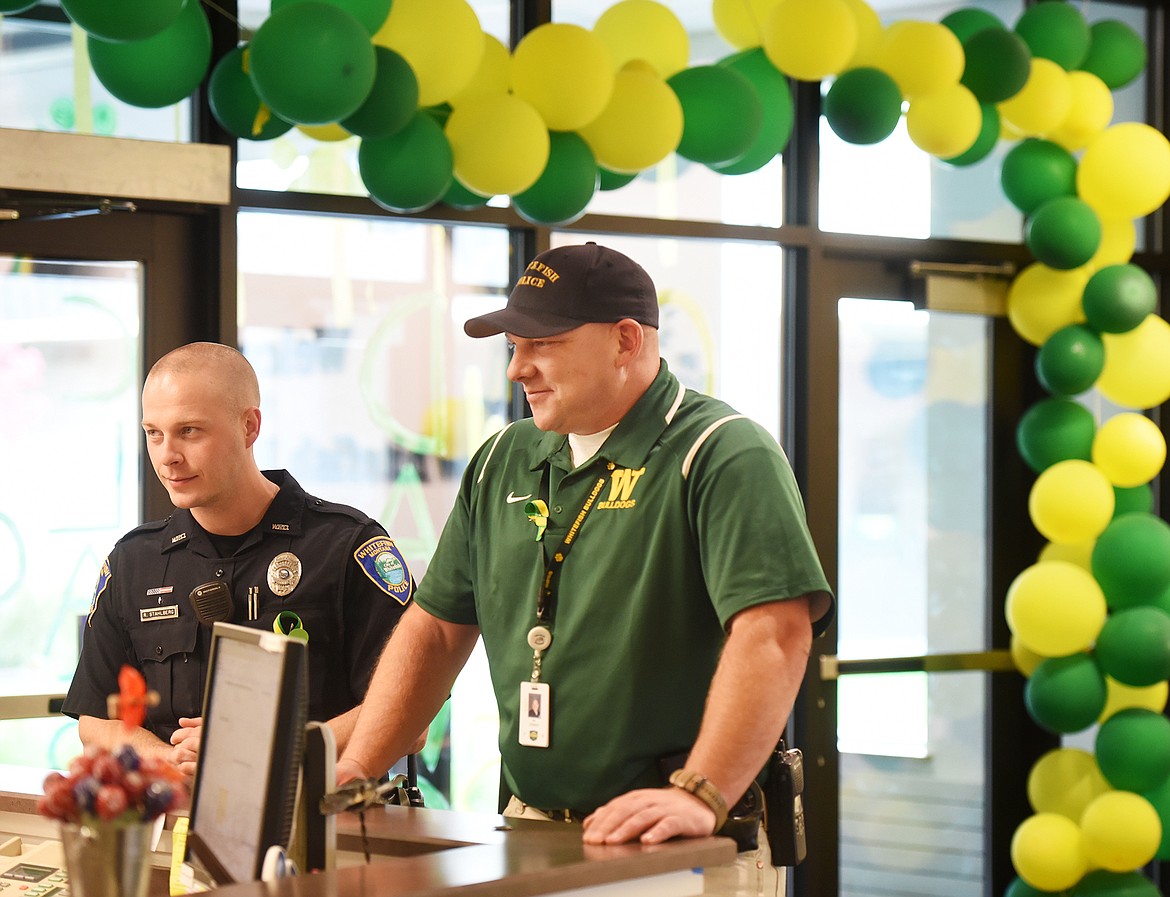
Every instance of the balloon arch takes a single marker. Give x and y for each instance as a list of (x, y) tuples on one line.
[(448, 114)]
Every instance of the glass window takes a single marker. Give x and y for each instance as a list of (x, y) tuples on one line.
[(373, 396), (40, 89), (69, 362), (720, 317)]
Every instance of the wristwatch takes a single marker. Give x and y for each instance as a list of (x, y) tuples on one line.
[(701, 787)]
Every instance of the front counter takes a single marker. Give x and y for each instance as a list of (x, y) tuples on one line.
[(422, 852)]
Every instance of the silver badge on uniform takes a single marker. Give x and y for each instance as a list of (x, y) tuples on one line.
[(284, 573)]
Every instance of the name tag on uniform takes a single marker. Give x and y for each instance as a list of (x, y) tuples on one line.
[(535, 714), (167, 612)]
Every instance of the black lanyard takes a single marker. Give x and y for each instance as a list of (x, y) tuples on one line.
[(546, 599)]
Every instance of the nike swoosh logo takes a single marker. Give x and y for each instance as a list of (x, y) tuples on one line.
[(512, 498)]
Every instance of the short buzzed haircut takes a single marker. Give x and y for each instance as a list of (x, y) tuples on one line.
[(227, 370)]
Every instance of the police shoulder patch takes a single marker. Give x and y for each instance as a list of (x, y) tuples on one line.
[(384, 564), (103, 580)]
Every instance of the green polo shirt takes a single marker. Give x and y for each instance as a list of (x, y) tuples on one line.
[(696, 520)]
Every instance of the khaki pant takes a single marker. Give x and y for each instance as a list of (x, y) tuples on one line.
[(751, 875)]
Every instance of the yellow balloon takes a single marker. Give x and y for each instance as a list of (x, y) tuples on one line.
[(1071, 501), (1047, 852), (565, 72), (1125, 171), (741, 22), (922, 57), (1089, 114), (869, 35), (1008, 131), (1041, 300), (1118, 242), (1079, 554), (641, 125), (1119, 696), (493, 76), (1065, 781), (1043, 102), (500, 144), (1055, 608), (1137, 365), (944, 123), (442, 41), (1129, 448), (810, 39), (330, 133), (1121, 831), (645, 30), (1025, 659)]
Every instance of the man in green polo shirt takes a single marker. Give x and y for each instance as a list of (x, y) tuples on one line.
[(636, 559)]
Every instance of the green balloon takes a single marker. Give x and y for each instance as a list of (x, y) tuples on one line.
[(392, 100), (613, 180), (863, 106), (312, 63), (1103, 883), (410, 170), (1035, 171), (459, 197), (1065, 694), (11, 7), (1131, 560), (775, 97), (124, 20), (1134, 648), (1053, 430), (371, 13), (1020, 888), (1132, 500), (1119, 297), (1071, 360), (722, 113), (1056, 31), (1117, 53), (998, 64), (234, 103), (1133, 749), (969, 21), (987, 140), (160, 70), (566, 185), (1064, 233)]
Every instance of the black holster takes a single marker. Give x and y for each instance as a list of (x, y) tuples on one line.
[(783, 801)]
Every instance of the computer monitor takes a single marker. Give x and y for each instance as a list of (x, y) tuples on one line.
[(255, 708)]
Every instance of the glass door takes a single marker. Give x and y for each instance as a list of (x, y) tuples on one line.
[(904, 701), (85, 303)]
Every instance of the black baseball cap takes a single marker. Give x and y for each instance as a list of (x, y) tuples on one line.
[(566, 287)]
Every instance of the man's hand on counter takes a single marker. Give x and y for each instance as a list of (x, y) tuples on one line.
[(649, 815)]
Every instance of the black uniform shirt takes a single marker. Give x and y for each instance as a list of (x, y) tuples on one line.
[(353, 586)]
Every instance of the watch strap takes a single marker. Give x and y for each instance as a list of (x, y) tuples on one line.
[(702, 788)]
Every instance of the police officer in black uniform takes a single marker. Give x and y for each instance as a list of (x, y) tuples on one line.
[(290, 563)]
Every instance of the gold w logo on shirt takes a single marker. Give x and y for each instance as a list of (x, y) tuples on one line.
[(621, 487)]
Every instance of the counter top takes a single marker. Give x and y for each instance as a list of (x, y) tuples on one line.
[(418, 852)]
